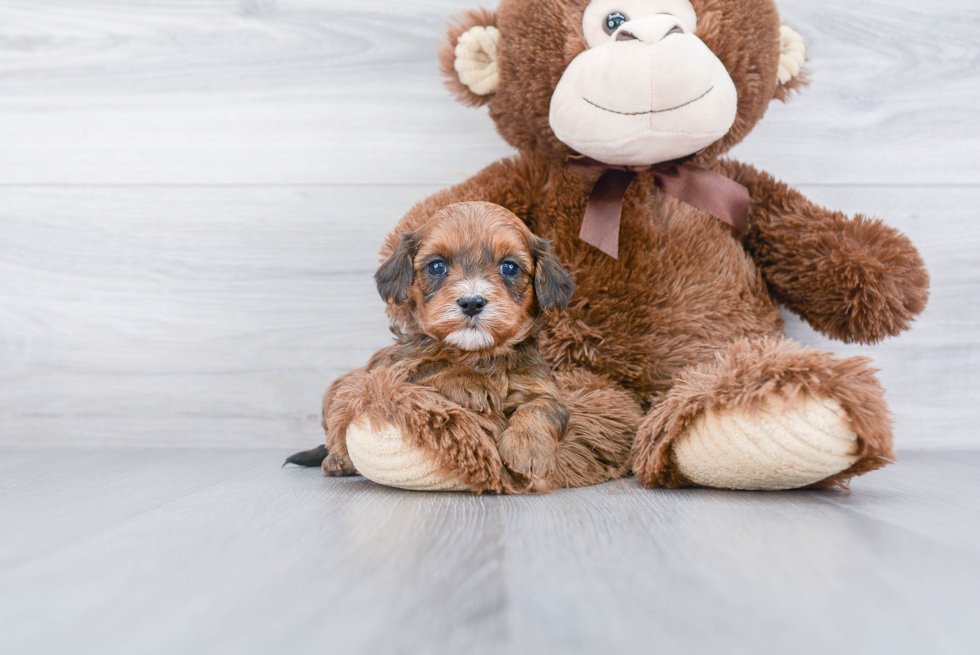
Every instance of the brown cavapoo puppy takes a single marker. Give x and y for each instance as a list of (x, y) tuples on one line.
[(475, 281)]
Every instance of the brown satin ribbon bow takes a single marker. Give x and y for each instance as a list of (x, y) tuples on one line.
[(711, 192)]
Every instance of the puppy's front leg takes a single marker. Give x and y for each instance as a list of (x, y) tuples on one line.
[(467, 389), (529, 445)]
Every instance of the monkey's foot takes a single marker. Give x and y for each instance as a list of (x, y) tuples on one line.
[(766, 414), (383, 456), (780, 445)]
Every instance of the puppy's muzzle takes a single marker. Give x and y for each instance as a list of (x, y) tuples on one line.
[(472, 305)]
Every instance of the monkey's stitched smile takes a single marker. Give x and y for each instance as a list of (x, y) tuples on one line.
[(652, 111)]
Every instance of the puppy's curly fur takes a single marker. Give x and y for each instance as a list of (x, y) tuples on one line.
[(465, 378)]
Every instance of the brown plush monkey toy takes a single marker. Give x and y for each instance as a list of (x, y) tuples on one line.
[(621, 111)]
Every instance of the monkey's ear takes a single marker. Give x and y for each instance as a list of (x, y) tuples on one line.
[(394, 278), (792, 55), (468, 58), (553, 285)]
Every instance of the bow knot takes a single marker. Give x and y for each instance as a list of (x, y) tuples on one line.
[(711, 192)]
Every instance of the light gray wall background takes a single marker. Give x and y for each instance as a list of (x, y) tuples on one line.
[(193, 192)]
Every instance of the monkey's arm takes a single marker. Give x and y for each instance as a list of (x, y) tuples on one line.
[(854, 279)]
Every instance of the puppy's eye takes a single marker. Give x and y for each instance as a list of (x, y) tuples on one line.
[(437, 268), (509, 269), (613, 21)]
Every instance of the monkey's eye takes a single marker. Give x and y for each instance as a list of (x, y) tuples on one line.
[(509, 269), (613, 21), (437, 268)]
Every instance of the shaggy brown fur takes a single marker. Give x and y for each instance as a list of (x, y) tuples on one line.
[(688, 300), (489, 411)]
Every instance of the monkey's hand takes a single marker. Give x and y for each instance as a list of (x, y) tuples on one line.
[(854, 279)]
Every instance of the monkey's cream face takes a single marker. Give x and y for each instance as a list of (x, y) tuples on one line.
[(647, 90)]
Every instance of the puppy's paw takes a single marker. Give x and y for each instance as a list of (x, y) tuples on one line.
[(476, 398), (528, 453), (336, 466)]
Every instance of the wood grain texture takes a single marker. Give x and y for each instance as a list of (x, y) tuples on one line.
[(256, 559), (304, 92), (217, 316)]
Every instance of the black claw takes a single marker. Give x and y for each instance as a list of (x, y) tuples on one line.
[(308, 458)]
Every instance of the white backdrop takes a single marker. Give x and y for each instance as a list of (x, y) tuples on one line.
[(193, 192)]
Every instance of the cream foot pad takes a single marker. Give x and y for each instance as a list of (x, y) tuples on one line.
[(781, 446), (382, 456)]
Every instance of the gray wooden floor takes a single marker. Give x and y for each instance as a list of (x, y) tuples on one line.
[(192, 195), (193, 551)]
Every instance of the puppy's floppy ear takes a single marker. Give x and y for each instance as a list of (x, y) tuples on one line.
[(553, 285), (394, 278)]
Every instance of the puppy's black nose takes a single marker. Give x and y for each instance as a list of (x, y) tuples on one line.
[(472, 305)]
